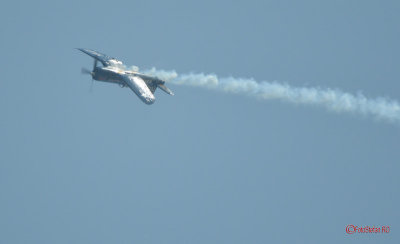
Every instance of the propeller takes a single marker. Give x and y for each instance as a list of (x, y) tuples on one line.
[(88, 72)]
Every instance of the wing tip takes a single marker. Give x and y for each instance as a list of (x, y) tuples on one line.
[(81, 49)]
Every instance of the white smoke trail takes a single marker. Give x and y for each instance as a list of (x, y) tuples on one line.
[(332, 99)]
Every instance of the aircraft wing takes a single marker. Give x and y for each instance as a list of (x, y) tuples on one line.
[(104, 59), (139, 87), (154, 82)]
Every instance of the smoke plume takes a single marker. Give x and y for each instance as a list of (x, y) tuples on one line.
[(331, 99)]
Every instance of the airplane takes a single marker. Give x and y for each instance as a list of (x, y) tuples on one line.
[(113, 71)]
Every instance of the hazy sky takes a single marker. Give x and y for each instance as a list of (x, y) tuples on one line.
[(202, 166)]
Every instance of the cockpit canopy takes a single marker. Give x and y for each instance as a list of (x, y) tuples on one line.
[(114, 61)]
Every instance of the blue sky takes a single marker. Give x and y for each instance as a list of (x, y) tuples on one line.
[(200, 167)]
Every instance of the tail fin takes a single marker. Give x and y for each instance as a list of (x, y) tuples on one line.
[(165, 89)]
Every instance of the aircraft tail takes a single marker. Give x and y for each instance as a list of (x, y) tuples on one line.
[(165, 89)]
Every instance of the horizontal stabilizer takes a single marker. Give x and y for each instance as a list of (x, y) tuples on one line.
[(164, 88)]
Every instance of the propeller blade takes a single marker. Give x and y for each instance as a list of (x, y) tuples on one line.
[(86, 71), (95, 64)]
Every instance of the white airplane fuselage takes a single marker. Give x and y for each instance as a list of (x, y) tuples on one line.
[(114, 71), (121, 77)]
